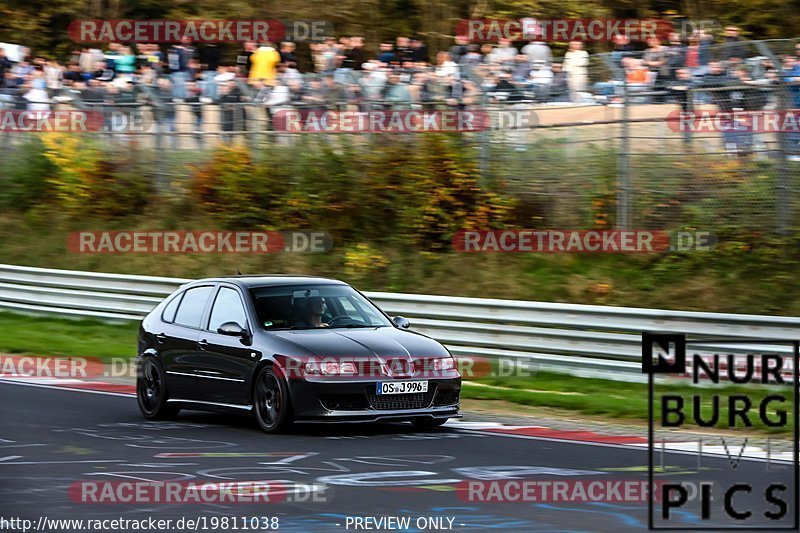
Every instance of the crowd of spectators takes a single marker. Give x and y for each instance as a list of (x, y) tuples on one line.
[(667, 71), (399, 73)]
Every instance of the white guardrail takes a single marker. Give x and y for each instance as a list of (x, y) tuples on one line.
[(587, 340)]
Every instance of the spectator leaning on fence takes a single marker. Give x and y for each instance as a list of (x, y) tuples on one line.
[(733, 46), (676, 56), (460, 48), (680, 88), (179, 57), (397, 75), (622, 48), (5, 67), (541, 79), (263, 64), (576, 65), (538, 52), (243, 58), (656, 59), (718, 82), (503, 53)]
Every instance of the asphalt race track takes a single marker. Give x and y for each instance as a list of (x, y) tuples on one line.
[(51, 439)]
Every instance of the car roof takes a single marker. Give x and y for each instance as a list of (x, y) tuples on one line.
[(271, 280)]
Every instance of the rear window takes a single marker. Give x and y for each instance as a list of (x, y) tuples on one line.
[(190, 312), (169, 311), (227, 308)]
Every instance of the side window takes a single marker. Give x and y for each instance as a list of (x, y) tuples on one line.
[(169, 311), (227, 308), (190, 312)]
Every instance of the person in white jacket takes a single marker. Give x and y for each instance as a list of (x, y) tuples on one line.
[(37, 95), (576, 65)]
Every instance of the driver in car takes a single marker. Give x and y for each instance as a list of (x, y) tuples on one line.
[(315, 307)]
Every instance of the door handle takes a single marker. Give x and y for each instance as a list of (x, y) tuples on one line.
[(161, 337), (203, 344)]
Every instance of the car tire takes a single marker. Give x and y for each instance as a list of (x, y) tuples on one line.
[(272, 407), (428, 423), (152, 393)]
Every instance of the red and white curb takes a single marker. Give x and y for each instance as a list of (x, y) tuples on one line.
[(706, 445), (72, 383), (549, 433)]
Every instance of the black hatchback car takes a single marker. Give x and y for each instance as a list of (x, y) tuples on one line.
[(290, 348)]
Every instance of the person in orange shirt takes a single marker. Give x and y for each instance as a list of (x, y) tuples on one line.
[(637, 73), (263, 64)]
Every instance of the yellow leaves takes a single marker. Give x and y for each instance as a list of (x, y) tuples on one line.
[(601, 289), (77, 162), (216, 183), (363, 258)]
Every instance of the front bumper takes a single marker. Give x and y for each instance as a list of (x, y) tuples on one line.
[(342, 401)]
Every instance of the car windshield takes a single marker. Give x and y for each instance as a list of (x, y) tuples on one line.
[(315, 306)]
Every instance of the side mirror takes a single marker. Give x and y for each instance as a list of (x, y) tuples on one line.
[(232, 329), (401, 322)]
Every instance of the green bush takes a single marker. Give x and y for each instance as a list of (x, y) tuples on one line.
[(24, 174)]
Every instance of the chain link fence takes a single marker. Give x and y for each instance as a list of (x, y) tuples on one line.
[(654, 154)]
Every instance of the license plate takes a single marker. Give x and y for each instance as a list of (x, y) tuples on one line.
[(401, 387)]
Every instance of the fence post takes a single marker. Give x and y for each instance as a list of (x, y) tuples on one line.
[(783, 188), (623, 166), (160, 112), (184, 126), (687, 134), (783, 185), (484, 138)]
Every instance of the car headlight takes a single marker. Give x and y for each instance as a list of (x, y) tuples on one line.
[(444, 363), (331, 368)]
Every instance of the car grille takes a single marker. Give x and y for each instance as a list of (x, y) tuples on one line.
[(446, 397), (344, 402), (389, 402)]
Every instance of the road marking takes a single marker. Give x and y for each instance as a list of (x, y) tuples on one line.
[(286, 455), (158, 465), (56, 462)]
